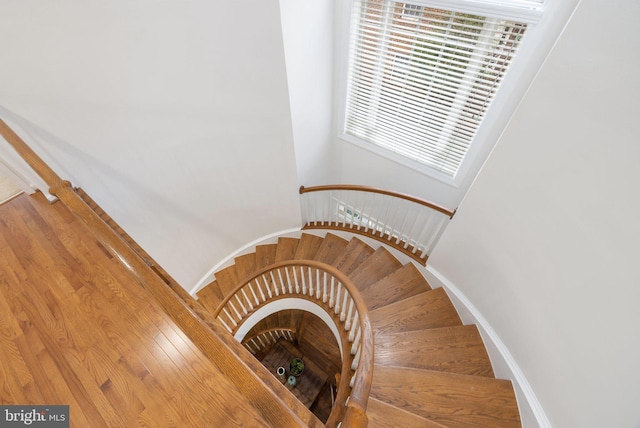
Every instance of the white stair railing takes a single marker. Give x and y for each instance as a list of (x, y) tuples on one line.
[(409, 224)]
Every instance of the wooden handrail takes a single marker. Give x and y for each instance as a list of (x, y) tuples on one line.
[(359, 395), (249, 376), (370, 189)]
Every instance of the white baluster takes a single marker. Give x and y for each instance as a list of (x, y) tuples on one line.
[(255, 296), (265, 280), (295, 279), (244, 309), (332, 295), (274, 283), (247, 299), (229, 317), (324, 288), (356, 359), (304, 283), (347, 301), (349, 322), (385, 221), (356, 339), (290, 286), (282, 283), (230, 303), (225, 324)]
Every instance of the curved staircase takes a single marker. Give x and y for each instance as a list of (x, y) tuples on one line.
[(430, 370)]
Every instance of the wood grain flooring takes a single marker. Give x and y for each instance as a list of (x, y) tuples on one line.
[(76, 330)]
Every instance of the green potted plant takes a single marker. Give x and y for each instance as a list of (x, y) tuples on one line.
[(296, 366)]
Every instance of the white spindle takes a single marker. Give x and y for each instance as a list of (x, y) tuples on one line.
[(413, 228), (255, 296), (303, 279), (385, 220), (274, 284), (338, 300), (230, 304), (332, 294), (425, 228), (229, 317), (407, 209), (262, 345), (356, 359), (225, 324), (265, 280), (246, 298), (312, 280), (242, 306), (324, 288), (289, 285), (356, 339), (343, 312), (347, 324), (295, 279), (282, 282)]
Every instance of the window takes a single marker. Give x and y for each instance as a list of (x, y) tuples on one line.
[(420, 87)]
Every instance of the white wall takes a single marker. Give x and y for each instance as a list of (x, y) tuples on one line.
[(545, 245), (307, 28), (173, 115)]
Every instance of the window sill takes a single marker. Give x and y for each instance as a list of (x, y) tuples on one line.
[(402, 160)]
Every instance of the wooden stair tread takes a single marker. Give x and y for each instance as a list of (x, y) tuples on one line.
[(210, 296), (451, 399), (383, 415), (378, 265), (227, 279), (401, 284), (308, 246), (331, 248), (265, 255), (286, 249), (431, 309), (456, 349), (245, 265), (353, 255)]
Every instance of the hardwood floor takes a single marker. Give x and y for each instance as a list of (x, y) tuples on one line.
[(76, 330), (7, 189)]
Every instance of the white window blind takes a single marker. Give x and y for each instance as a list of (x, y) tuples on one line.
[(420, 83)]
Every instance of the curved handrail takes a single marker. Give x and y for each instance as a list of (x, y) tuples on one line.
[(251, 378), (321, 283), (407, 223), (380, 191)]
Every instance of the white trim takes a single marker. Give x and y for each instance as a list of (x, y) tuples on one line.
[(208, 277), (521, 385), (527, 12), (401, 160), (285, 304)]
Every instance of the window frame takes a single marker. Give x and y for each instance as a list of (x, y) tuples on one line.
[(524, 11)]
